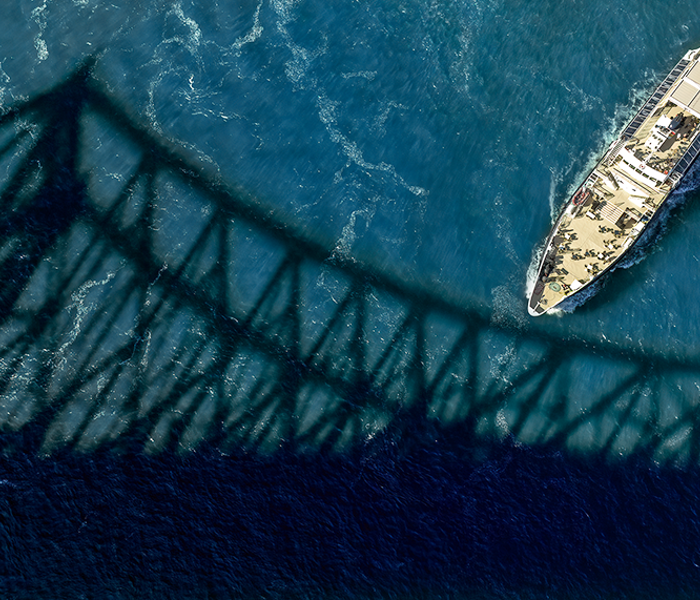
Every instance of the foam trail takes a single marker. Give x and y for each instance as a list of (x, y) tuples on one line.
[(326, 111), (531, 275), (4, 79), (81, 311), (250, 37), (298, 70), (39, 17), (191, 42), (379, 121), (347, 239), (554, 182)]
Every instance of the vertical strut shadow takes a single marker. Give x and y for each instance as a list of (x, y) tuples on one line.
[(149, 304)]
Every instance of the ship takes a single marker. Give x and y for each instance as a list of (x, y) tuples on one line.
[(620, 197)]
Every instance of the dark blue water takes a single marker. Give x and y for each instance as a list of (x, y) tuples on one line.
[(430, 142), (401, 518)]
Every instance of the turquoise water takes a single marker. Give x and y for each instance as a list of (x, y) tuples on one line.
[(433, 142)]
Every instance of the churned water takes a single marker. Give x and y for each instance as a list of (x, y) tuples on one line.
[(430, 141), (434, 140)]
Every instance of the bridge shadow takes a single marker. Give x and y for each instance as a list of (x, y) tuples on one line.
[(297, 424), (148, 304)]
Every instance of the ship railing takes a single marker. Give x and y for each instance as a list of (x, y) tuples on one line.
[(614, 150), (686, 160), (592, 180)]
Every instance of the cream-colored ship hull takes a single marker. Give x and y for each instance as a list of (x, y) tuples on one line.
[(619, 198)]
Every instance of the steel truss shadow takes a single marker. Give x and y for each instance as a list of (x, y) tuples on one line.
[(145, 301)]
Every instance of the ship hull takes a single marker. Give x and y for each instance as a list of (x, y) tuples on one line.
[(574, 299), (624, 194)]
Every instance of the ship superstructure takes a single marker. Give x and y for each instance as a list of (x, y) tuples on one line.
[(620, 196)]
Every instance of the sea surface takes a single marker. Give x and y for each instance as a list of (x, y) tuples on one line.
[(427, 142), (435, 141)]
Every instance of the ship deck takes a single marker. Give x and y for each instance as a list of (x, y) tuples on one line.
[(619, 197)]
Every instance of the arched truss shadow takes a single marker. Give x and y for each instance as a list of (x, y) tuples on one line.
[(145, 300)]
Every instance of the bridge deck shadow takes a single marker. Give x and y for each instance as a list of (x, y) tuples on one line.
[(148, 304)]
